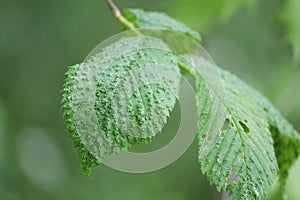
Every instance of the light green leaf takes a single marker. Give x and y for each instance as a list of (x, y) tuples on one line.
[(145, 19), (242, 162), (120, 97), (290, 17), (202, 13)]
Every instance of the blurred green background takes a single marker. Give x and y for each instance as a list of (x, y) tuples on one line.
[(39, 39)]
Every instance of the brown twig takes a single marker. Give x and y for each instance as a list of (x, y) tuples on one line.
[(114, 8), (121, 18)]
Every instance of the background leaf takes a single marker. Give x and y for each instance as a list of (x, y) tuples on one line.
[(2, 137), (290, 17), (206, 13)]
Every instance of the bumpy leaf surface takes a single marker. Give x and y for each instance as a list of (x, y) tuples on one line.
[(120, 97)]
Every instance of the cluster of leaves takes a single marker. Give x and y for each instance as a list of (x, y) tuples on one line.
[(255, 145)]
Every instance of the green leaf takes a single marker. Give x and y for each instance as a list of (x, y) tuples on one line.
[(242, 162), (86, 158), (286, 138), (120, 97), (290, 17), (202, 14), (254, 139), (145, 19)]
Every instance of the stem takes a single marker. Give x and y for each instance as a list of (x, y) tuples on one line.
[(117, 13), (113, 7), (186, 68)]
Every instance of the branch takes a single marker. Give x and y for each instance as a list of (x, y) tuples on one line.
[(121, 18), (114, 8)]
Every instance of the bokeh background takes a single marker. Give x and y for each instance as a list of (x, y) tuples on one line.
[(39, 39)]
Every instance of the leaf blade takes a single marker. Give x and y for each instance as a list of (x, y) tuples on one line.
[(146, 19), (286, 138), (88, 95)]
